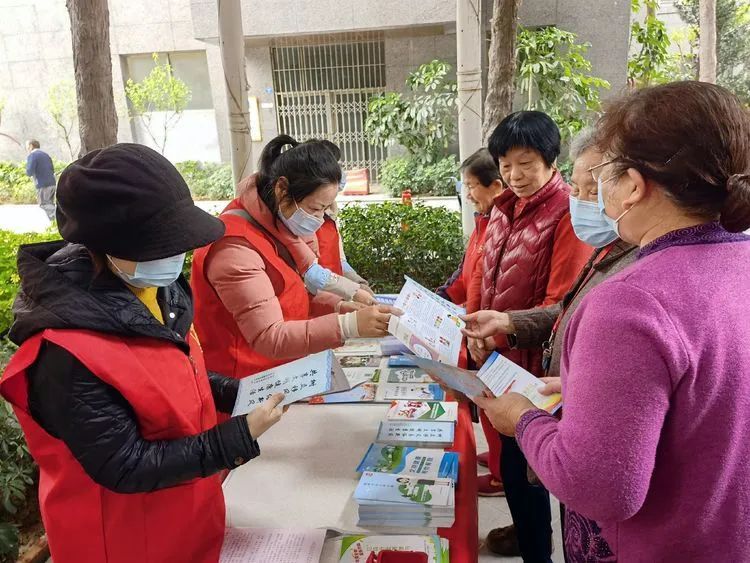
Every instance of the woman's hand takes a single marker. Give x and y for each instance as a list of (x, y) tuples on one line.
[(480, 349), (486, 324), (349, 306), (505, 411), (365, 297), (265, 416), (372, 322), (553, 385)]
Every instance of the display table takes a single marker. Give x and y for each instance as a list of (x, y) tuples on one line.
[(306, 475)]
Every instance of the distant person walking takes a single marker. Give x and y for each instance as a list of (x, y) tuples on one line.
[(39, 166)]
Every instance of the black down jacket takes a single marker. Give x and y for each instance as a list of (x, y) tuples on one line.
[(59, 290)]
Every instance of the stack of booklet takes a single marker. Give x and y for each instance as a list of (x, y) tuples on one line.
[(420, 434), (421, 424), (398, 500), (361, 549), (416, 462)]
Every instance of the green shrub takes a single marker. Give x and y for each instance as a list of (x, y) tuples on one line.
[(208, 180), (383, 242), (17, 477), (406, 172), (15, 185), (9, 243)]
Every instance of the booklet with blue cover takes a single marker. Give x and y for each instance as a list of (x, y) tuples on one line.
[(403, 460)]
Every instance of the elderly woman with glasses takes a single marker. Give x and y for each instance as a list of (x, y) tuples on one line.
[(653, 444)]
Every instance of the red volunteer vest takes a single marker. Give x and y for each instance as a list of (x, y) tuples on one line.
[(171, 397), (518, 248), (224, 347), (329, 247)]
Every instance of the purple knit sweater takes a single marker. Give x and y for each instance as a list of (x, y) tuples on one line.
[(654, 443)]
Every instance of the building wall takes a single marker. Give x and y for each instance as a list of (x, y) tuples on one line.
[(35, 52)]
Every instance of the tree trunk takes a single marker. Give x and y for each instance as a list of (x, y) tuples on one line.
[(502, 64), (707, 53), (232, 43), (97, 118)]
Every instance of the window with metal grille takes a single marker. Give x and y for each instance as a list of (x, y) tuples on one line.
[(323, 85)]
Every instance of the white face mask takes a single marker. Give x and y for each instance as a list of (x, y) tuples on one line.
[(301, 223), (154, 273)]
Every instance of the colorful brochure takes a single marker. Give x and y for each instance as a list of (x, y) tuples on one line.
[(430, 326)]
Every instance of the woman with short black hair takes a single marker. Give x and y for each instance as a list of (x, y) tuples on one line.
[(531, 257)]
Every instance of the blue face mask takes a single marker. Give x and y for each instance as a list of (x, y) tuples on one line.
[(589, 223), (154, 273), (301, 223)]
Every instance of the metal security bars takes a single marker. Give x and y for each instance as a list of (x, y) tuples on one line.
[(323, 85)]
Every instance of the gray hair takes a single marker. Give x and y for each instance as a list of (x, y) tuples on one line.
[(585, 140)]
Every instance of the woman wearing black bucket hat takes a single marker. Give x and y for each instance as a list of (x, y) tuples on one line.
[(109, 383)]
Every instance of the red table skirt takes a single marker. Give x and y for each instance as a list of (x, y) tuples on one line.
[(464, 534)]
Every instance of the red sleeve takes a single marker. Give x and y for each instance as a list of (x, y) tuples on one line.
[(474, 291), (569, 256)]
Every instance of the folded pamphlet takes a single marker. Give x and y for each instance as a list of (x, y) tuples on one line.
[(498, 375)]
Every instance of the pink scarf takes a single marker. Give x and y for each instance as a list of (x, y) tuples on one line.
[(304, 250)]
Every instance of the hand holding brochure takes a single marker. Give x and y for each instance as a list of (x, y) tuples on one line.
[(504, 376), (498, 375), (430, 326), (313, 375)]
